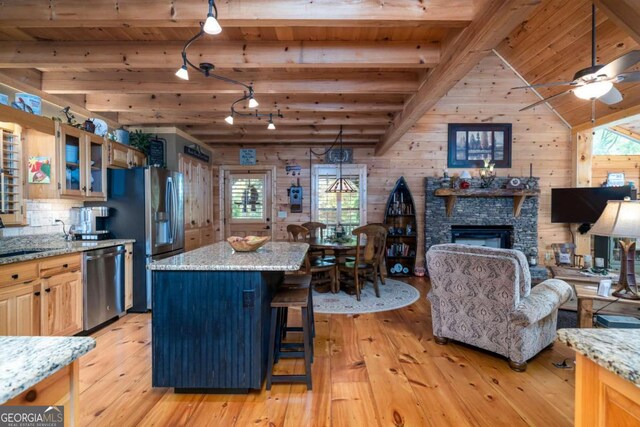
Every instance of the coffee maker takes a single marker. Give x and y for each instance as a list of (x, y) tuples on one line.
[(87, 223)]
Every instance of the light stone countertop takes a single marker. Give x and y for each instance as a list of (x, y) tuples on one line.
[(25, 361), (274, 256), (617, 350), (48, 246)]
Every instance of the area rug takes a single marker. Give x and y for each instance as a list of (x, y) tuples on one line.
[(393, 295)]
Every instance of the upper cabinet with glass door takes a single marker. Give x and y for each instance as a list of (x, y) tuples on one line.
[(12, 210), (82, 172)]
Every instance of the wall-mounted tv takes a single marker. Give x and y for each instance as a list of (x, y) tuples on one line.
[(584, 205)]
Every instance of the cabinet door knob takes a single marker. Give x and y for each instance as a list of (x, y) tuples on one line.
[(65, 265), (31, 396), (37, 294), (193, 223), (84, 188), (15, 276), (47, 290), (208, 222), (91, 189)]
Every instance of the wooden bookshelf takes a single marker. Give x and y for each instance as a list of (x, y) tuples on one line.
[(402, 237)]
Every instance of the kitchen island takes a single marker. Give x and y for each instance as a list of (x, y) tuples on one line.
[(607, 375), (211, 309)]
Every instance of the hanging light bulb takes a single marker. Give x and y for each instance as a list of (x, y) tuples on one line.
[(271, 126), (183, 73), (211, 25), (229, 119), (252, 102), (593, 90)]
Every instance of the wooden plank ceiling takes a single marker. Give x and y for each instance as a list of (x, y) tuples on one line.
[(372, 66), (556, 42)]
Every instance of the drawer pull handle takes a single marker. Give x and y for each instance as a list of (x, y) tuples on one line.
[(47, 290), (31, 396), (15, 276), (65, 265)]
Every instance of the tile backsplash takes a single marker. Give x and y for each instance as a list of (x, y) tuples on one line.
[(40, 217)]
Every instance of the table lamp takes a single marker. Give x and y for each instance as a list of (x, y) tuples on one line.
[(621, 218)]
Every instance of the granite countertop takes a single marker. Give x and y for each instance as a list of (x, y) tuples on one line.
[(25, 361), (617, 350), (48, 246), (274, 256)]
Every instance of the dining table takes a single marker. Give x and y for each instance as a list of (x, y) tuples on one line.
[(340, 249)]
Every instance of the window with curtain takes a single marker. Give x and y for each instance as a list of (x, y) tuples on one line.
[(347, 209)]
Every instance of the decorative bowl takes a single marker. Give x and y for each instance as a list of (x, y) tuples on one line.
[(248, 243)]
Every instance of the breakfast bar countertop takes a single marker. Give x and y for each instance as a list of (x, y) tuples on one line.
[(274, 256), (617, 350), (25, 361)]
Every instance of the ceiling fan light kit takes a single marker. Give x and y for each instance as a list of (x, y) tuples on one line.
[(596, 82), (212, 26)]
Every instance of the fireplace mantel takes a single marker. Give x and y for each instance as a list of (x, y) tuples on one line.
[(452, 194)]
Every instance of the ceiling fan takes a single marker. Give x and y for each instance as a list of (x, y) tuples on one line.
[(596, 81)]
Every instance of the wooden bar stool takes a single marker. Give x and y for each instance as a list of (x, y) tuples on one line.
[(282, 300), (298, 281)]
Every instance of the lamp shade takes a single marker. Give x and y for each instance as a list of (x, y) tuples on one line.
[(342, 185), (621, 218), (465, 175)]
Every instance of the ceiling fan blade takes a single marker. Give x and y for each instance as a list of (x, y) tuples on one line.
[(620, 64), (612, 97), (542, 101), (543, 85), (629, 77)]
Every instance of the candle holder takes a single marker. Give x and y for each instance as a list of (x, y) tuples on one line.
[(487, 174)]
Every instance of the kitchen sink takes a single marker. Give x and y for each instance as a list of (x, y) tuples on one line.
[(22, 252)]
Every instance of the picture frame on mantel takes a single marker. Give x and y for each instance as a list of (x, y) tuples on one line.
[(470, 143)]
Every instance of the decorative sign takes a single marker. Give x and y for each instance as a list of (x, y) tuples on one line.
[(39, 170), (338, 155), (247, 156), (195, 151), (156, 155), (293, 170)]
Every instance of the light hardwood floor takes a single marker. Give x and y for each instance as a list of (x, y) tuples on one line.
[(369, 370)]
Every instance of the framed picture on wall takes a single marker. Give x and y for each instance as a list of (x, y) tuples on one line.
[(469, 144)]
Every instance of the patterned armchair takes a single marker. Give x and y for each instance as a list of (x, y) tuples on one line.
[(483, 297)]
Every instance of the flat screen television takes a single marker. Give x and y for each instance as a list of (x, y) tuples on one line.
[(584, 205)]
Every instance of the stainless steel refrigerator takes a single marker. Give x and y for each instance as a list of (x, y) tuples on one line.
[(146, 204)]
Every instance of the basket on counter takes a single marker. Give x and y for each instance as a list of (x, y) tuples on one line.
[(248, 243)]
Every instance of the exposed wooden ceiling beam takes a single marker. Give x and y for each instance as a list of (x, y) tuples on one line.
[(289, 119), (625, 13), (259, 129), (488, 28), (224, 54), (236, 13), (626, 132), (203, 103), (285, 83), (302, 139), (612, 119)]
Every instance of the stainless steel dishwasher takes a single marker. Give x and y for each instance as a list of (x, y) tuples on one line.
[(103, 285)]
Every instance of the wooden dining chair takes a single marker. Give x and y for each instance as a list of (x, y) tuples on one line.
[(316, 231), (368, 258), (322, 271)]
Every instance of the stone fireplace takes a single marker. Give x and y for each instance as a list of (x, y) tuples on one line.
[(488, 221)]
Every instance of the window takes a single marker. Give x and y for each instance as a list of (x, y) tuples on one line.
[(609, 142), (347, 209), (247, 197)]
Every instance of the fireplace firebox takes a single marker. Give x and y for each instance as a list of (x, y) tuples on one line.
[(493, 236)]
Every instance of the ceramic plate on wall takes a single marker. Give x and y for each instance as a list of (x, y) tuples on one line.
[(101, 127)]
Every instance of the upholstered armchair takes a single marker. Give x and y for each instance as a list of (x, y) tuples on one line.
[(483, 297)]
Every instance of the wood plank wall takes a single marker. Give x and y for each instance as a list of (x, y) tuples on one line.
[(602, 165), (484, 95)]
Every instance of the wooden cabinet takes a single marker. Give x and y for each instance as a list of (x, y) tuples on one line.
[(20, 309), (62, 304), (12, 175), (128, 276), (124, 157), (198, 202), (42, 297), (82, 166)]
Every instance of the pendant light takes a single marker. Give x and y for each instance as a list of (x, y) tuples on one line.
[(271, 125), (341, 185), (211, 25)]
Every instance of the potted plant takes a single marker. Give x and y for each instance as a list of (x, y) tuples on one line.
[(140, 140)]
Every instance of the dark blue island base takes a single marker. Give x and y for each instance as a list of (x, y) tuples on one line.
[(210, 329)]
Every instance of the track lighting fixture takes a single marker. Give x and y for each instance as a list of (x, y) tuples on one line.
[(211, 25), (271, 126), (252, 102), (229, 119), (182, 72)]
